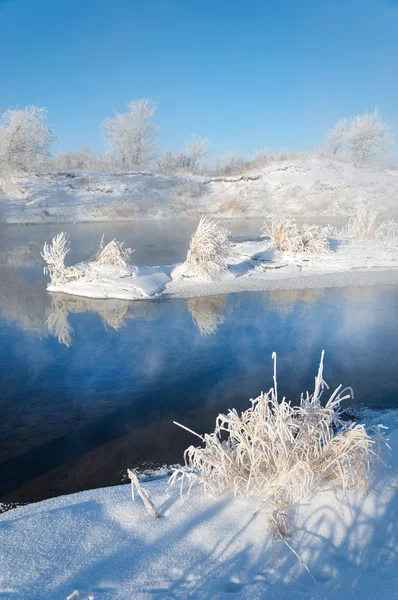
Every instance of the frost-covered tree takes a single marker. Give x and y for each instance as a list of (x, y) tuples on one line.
[(228, 164), (368, 135), (25, 138), (133, 133), (336, 137), (187, 160), (196, 149)]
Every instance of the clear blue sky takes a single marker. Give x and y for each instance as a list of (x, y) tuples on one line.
[(245, 74)]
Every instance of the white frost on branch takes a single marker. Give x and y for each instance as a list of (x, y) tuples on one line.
[(54, 255), (133, 133), (25, 138)]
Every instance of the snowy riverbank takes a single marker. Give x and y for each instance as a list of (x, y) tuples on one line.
[(101, 544), (305, 187)]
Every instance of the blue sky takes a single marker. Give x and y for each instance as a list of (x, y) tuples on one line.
[(244, 74)]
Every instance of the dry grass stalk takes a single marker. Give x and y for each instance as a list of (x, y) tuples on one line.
[(362, 223), (288, 237), (113, 254), (277, 453), (150, 507), (208, 251)]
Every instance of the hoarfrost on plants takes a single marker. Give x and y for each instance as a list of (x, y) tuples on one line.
[(54, 254), (362, 223), (113, 254), (278, 454), (208, 251), (387, 234), (288, 237)]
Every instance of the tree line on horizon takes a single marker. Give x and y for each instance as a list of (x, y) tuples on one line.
[(131, 137)]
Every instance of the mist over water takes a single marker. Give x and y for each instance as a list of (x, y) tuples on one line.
[(91, 387)]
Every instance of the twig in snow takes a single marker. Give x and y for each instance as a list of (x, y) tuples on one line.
[(150, 507)]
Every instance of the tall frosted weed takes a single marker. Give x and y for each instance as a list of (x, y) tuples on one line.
[(289, 237), (208, 251), (113, 254), (278, 454)]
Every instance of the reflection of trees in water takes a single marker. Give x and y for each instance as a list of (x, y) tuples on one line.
[(206, 313), (112, 312)]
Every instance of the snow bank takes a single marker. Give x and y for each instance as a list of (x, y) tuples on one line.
[(99, 543), (250, 265), (307, 187)]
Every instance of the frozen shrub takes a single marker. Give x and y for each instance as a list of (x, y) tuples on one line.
[(113, 254), (54, 255), (313, 239), (387, 235), (330, 230), (278, 454), (208, 251), (287, 236), (362, 224), (284, 233)]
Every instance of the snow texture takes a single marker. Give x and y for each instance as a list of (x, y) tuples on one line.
[(304, 187), (98, 543)]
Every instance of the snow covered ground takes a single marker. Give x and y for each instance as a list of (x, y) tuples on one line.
[(308, 187), (99, 544), (252, 265)]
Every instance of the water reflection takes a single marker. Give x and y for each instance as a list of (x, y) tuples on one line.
[(91, 387), (113, 313), (207, 313)]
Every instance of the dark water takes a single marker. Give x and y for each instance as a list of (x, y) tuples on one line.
[(89, 388)]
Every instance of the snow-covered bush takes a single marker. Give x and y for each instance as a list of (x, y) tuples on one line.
[(25, 138), (278, 454), (288, 237), (113, 254), (284, 234), (54, 255), (208, 251), (362, 223)]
